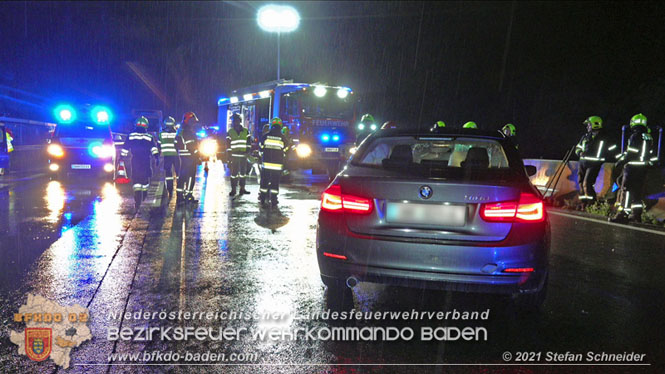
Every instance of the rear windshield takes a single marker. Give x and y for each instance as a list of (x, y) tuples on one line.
[(436, 157), (82, 131)]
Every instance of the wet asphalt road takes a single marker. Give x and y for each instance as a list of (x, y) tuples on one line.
[(80, 242)]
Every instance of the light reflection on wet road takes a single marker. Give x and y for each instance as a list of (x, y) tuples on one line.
[(83, 244)]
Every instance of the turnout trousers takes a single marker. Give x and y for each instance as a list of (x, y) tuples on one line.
[(633, 179), (172, 170), (187, 177), (586, 177), (239, 168), (269, 184)]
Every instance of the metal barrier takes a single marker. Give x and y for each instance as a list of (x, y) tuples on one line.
[(568, 182), (29, 143)]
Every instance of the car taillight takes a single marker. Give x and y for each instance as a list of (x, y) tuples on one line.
[(334, 200), (529, 209)]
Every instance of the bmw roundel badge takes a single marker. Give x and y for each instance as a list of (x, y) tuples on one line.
[(425, 192)]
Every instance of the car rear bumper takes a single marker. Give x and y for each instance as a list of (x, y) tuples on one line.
[(456, 266), (96, 166)]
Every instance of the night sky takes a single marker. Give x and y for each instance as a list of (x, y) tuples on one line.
[(548, 69)]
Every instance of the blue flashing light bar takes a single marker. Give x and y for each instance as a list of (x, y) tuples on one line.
[(65, 113), (101, 115)]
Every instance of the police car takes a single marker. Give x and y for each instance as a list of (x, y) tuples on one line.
[(83, 145)]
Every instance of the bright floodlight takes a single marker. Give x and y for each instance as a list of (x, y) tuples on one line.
[(320, 91), (278, 18), (342, 93), (264, 94), (247, 97), (234, 99)]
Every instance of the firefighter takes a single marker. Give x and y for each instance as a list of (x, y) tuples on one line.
[(470, 125), (591, 149), (510, 132), (273, 148), (189, 158), (635, 160), (238, 144), (10, 148), (142, 145), (438, 125), (168, 140), (288, 147), (366, 126)]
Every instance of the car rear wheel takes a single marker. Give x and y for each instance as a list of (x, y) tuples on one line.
[(532, 302), (338, 295)]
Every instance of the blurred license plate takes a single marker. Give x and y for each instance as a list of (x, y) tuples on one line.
[(80, 166), (332, 149), (429, 214)]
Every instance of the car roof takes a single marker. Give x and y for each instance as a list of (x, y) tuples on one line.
[(444, 132)]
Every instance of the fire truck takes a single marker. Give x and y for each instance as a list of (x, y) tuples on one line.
[(319, 117)]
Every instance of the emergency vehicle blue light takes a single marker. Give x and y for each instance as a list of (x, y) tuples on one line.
[(222, 100), (101, 115), (65, 113), (335, 138), (325, 137), (201, 134), (216, 128)]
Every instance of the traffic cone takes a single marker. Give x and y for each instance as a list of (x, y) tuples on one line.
[(121, 176)]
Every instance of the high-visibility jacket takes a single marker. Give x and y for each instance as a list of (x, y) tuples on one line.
[(142, 145), (238, 143), (167, 141), (593, 147), (188, 144), (639, 151), (273, 149), (10, 147)]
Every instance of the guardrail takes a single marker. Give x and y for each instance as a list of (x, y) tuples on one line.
[(29, 143), (568, 183)]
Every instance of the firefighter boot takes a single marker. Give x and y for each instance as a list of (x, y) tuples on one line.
[(274, 201), (138, 198), (243, 191), (635, 215), (234, 182), (262, 199), (619, 217)]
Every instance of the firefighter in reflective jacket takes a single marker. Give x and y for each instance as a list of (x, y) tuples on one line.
[(635, 159), (592, 150), (273, 148), (189, 158), (168, 140), (142, 145), (238, 144)]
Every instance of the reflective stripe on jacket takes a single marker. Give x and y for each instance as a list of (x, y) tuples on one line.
[(167, 141), (238, 143), (272, 146)]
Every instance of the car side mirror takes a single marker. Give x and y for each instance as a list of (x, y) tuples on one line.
[(530, 170)]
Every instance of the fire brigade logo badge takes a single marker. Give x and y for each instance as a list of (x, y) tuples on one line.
[(51, 331), (37, 343)]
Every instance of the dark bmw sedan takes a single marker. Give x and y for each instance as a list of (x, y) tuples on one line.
[(451, 210)]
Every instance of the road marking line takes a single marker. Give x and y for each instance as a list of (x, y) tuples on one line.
[(662, 233)]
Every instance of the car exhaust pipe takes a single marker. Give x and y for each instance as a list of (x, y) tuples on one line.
[(351, 281)]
